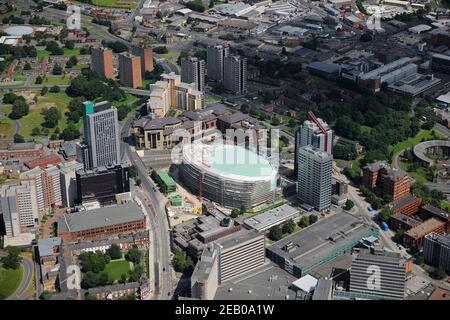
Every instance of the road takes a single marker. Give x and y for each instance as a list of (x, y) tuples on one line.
[(156, 204), (27, 278)]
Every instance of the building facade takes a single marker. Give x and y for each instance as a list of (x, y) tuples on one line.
[(101, 135), (215, 62), (130, 70), (235, 74), (436, 251), (314, 177), (102, 63), (146, 56), (19, 208), (193, 71), (380, 274)]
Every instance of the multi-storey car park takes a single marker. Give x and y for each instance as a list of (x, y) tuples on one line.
[(229, 175)]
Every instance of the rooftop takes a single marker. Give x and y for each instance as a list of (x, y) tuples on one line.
[(98, 218), (424, 228), (271, 217), (45, 246)]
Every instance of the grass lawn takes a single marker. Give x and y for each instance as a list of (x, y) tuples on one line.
[(419, 175), (410, 142), (6, 128), (365, 129), (169, 55), (125, 4), (9, 281), (42, 53), (445, 205), (289, 131), (35, 119), (116, 268), (210, 99), (56, 80)]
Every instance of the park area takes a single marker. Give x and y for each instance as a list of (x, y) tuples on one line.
[(123, 4), (116, 268), (9, 281)]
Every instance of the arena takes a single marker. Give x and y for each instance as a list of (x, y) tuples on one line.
[(229, 175)]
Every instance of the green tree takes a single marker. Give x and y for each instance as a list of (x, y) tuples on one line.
[(385, 214), (234, 213), (349, 205), (181, 262), (19, 109), (123, 278), (438, 273), (132, 170), (133, 255), (18, 138), (304, 222), (312, 218), (36, 131), (289, 227), (114, 252), (89, 280), (57, 69), (55, 89), (27, 66), (44, 91), (13, 259), (69, 44), (275, 233), (51, 117), (242, 209)]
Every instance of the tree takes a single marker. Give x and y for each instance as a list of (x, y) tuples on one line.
[(437, 273), (132, 171), (385, 214), (54, 48), (234, 213), (18, 138), (103, 279), (312, 218), (57, 69), (55, 89), (123, 278), (242, 209), (44, 91), (114, 252), (136, 273), (19, 109), (36, 131), (275, 233), (349, 205), (133, 255), (51, 117), (289, 227), (160, 50), (138, 181), (27, 66), (304, 222), (70, 133), (69, 44), (10, 97), (89, 280), (93, 261), (13, 259)]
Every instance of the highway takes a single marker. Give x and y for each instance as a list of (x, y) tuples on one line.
[(156, 204)]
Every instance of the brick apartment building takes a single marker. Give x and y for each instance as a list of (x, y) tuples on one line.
[(409, 205), (402, 221), (383, 180), (102, 63), (414, 236), (428, 211), (130, 70)]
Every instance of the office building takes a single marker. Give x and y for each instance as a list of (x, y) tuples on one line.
[(102, 63), (19, 209), (226, 259), (317, 133), (215, 62), (130, 70), (169, 93), (193, 71), (302, 252), (436, 251), (146, 56), (314, 177), (47, 185), (235, 74), (378, 274), (440, 63), (102, 184), (69, 182), (103, 222), (101, 135), (383, 180)]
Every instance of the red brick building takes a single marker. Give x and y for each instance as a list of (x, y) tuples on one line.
[(22, 150), (414, 236), (429, 211), (383, 180), (409, 205), (43, 162), (102, 222), (402, 221)]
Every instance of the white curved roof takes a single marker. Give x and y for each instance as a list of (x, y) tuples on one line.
[(19, 30)]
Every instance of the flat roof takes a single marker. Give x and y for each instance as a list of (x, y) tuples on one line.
[(321, 239), (98, 218), (166, 178), (305, 283), (424, 228), (45, 246), (271, 217)]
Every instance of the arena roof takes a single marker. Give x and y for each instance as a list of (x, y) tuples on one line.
[(19, 30), (229, 161)]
